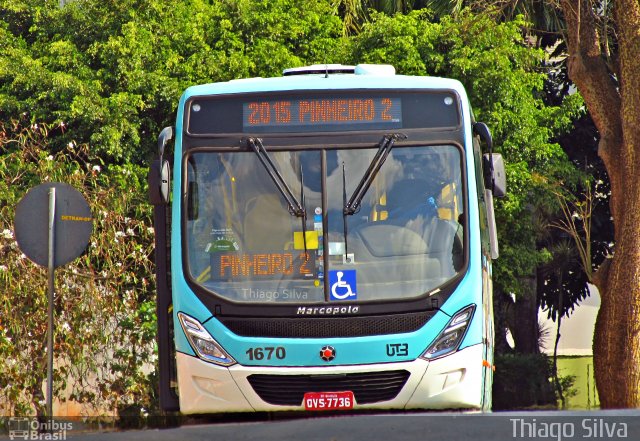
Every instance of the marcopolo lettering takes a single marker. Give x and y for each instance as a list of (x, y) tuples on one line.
[(327, 310)]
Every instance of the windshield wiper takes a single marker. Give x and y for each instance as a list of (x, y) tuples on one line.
[(294, 206), (344, 213), (384, 148), (304, 210)]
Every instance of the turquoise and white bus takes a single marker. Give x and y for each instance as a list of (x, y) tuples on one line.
[(325, 244)]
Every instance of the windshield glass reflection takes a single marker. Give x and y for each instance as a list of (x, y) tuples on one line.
[(405, 239)]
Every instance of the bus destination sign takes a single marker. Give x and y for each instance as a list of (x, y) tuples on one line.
[(301, 115), (321, 111), (265, 266)]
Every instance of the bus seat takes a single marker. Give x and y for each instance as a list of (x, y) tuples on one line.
[(445, 245), (383, 240), (403, 253), (267, 224)]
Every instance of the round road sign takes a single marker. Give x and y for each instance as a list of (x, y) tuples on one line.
[(72, 224)]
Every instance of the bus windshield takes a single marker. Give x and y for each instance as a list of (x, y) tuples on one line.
[(405, 239)]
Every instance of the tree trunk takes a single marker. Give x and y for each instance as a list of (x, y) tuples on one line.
[(616, 343), (503, 315), (525, 329), (611, 89)]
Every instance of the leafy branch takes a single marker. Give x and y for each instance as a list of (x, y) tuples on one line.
[(576, 222)]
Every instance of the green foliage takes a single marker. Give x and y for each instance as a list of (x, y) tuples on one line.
[(105, 300), (113, 70), (523, 381)]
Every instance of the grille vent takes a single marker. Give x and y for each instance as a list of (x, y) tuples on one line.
[(367, 387), (326, 327)]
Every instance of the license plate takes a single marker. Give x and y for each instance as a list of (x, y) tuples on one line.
[(328, 400)]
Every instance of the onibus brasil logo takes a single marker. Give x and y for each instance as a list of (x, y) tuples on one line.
[(31, 429)]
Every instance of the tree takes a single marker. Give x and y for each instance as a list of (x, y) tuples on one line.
[(542, 18), (105, 300), (113, 71), (603, 63)]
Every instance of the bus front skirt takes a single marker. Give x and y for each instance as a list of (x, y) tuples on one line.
[(452, 382)]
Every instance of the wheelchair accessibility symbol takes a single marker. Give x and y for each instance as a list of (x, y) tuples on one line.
[(343, 285)]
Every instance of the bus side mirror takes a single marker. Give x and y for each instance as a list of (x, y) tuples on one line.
[(482, 130), (159, 179), (495, 178), (165, 136), (159, 172)]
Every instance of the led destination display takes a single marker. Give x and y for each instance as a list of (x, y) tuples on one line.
[(322, 114), (239, 266), (322, 111)]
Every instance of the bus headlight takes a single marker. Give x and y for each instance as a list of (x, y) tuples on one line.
[(202, 343), (451, 336)]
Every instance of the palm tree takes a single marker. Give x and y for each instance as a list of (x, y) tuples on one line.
[(563, 262), (546, 24), (356, 12), (353, 12)]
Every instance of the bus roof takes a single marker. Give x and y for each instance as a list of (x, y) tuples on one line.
[(328, 77)]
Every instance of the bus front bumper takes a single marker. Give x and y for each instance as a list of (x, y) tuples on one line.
[(452, 382)]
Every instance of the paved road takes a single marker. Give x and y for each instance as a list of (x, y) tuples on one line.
[(538, 426)]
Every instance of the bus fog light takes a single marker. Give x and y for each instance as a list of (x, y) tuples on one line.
[(451, 336), (202, 343)]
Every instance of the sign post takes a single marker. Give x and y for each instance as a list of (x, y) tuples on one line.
[(52, 226), (50, 328)]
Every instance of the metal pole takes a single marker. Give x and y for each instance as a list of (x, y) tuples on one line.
[(50, 330)]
